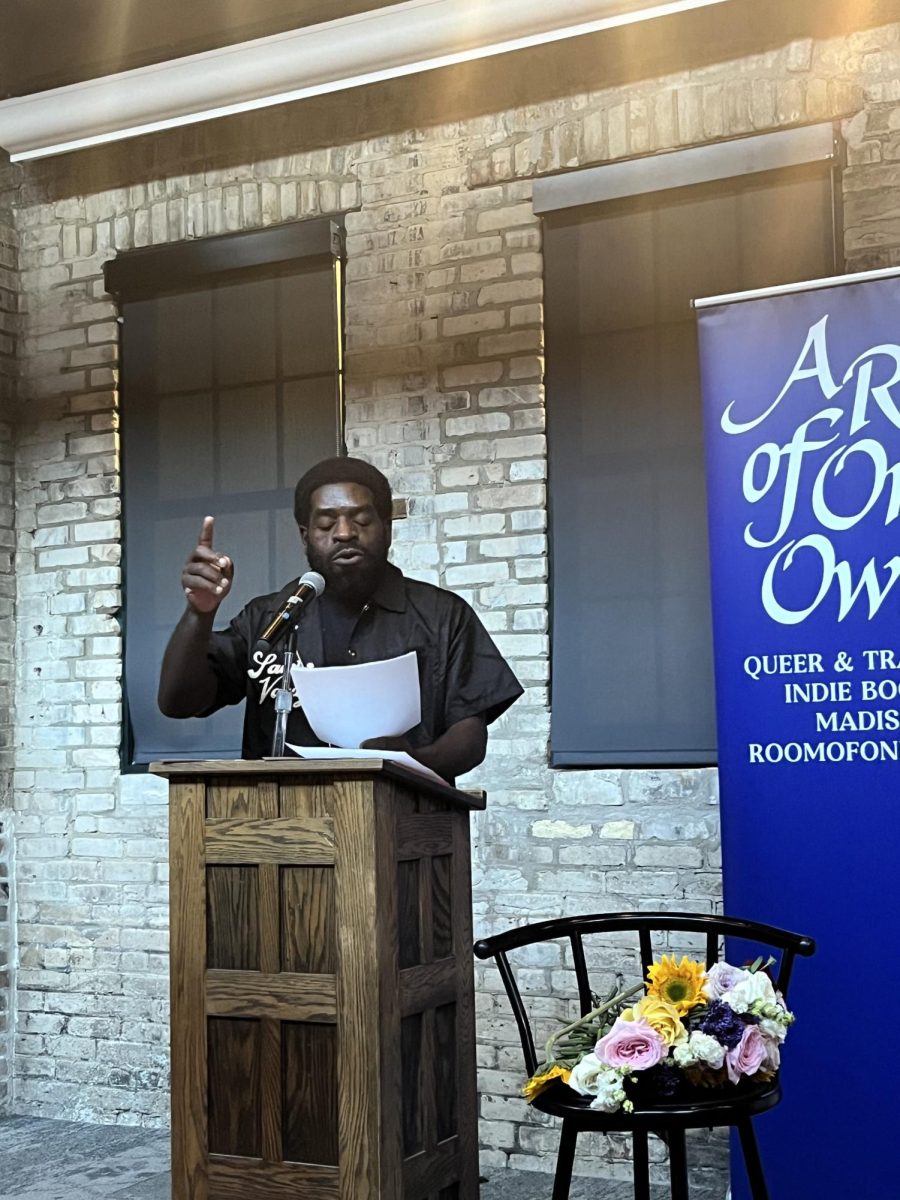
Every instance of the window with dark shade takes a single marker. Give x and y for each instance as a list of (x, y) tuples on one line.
[(631, 640), (230, 390)]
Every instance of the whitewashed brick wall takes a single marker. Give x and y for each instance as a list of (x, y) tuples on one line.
[(9, 318), (444, 369), (7, 960), (8, 957)]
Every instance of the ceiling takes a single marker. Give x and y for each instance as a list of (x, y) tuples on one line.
[(97, 71), (51, 43), (77, 73)]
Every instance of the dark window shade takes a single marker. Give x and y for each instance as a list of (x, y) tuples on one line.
[(632, 680), (230, 391)]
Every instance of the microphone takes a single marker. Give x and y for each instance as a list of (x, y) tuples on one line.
[(308, 587)]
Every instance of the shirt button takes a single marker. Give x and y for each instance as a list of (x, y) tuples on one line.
[(351, 654)]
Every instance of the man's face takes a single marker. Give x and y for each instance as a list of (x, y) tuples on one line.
[(346, 541)]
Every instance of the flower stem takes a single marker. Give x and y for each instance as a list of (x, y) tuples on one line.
[(588, 1017)]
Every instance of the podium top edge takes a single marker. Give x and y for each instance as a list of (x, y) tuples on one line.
[(473, 798)]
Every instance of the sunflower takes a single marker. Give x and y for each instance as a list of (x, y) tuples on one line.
[(537, 1083), (680, 984)]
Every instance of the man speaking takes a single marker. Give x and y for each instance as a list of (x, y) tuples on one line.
[(368, 611)]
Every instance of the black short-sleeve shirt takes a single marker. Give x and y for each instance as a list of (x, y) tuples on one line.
[(461, 672)]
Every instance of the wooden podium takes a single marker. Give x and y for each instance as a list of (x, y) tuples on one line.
[(321, 983)]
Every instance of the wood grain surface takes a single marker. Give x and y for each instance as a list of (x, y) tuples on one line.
[(249, 1179), (283, 996), (322, 985), (390, 1173), (429, 1172), (308, 935), (359, 890), (293, 840), (187, 941), (418, 835), (310, 1070), (344, 768), (235, 1062), (466, 1079), (427, 985), (232, 918)]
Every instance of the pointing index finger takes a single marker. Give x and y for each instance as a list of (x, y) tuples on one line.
[(206, 532)]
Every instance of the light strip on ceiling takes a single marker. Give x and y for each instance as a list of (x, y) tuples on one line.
[(403, 39)]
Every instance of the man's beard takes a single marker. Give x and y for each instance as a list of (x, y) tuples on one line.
[(352, 583)]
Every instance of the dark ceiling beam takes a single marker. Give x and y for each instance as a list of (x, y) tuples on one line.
[(51, 43)]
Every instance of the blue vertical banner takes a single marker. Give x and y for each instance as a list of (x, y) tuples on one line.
[(801, 396)]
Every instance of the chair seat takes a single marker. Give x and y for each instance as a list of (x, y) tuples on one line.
[(705, 1109)]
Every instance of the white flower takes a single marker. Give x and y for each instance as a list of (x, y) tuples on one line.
[(721, 978), (699, 1049), (586, 1075), (683, 1054), (746, 992), (611, 1093), (774, 1030), (591, 1077), (707, 1050)]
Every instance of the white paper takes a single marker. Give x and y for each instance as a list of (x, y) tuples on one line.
[(349, 705), (394, 756)]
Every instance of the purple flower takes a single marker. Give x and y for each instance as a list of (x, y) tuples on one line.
[(723, 1023), (721, 978)]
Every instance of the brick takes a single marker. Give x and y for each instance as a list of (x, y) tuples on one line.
[(476, 573), (526, 368), (512, 292), (96, 531), (472, 374), (473, 526), (493, 422), (473, 323), (560, 829), (502, 218), (508, 397), (477, 272), (495, 345), (512, 547)]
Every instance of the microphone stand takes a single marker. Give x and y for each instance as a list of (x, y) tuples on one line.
[(284, 699)]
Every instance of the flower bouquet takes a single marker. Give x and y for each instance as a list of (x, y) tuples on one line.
[(703, 1028)]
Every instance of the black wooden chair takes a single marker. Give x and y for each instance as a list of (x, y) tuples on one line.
[(667, 1119)]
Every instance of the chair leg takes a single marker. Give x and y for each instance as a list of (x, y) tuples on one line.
[(565, 1159), (641, 1165), (752, 1161), (678, 1173)]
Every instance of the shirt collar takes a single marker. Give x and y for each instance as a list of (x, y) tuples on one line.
[(391, 593)]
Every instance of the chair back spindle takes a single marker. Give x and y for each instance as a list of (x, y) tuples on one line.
[(712, 948), (585, 1001), (515, 1000)]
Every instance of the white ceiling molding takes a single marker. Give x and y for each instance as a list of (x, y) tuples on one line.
[(403, 39)]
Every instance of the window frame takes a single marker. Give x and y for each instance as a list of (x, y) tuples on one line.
[(178, 268), (632, 179)]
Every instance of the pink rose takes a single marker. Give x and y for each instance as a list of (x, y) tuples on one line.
[(748, 1055), (632, 1044)]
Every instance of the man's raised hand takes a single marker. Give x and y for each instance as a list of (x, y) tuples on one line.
[(207, 576)]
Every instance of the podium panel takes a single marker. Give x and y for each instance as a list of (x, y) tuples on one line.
[(321, 983)]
